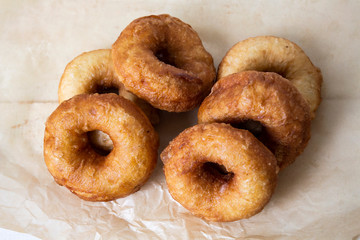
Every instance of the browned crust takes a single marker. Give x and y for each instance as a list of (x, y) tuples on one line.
[(213, 198), (267, 98), (166, 87), (280, 55), (74, 164)]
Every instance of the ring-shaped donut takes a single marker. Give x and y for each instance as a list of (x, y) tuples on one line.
[(73, 162), (279, 55), (162, 60), (93, 72), (266, 98), (219, 173)]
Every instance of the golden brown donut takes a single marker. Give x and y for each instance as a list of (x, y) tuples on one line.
[(219, 173), (266, 98), (74, 163), (162, 60), (93, 72), (275, 54)]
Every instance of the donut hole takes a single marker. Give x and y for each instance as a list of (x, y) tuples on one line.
[(100, 142), (258, 130), (281, 73), (255, 127), (215, 173), (279, 70), (163, 55), (102, 89)]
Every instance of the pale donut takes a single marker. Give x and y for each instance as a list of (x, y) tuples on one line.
[(93, 72)]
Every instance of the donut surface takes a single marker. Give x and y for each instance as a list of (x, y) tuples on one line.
[(93, 72), (74, 163), (266, 98), (219, 173), (279, 55), (162, 60)]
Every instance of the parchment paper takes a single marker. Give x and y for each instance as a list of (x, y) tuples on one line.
[(318, 197)]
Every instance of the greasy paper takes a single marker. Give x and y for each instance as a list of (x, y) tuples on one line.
[(318, 197)]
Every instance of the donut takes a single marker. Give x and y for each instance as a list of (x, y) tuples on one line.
[(93, 72), (275, 54), (218, 172), (267, 99), (162, 60), (75, 164)]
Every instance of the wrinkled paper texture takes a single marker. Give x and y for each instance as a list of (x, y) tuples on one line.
[(318, 197)]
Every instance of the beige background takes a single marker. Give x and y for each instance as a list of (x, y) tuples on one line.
[(318, 197)]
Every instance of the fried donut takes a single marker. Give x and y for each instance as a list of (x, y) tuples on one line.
[(268, 99), (219, 173), (275, 54), (162, 60), (93, 72), (75, 164)]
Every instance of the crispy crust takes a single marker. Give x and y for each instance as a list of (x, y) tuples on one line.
[(91, 70), (210, 196), (178, 86), (74, 164), (267, 98), (275, 54)]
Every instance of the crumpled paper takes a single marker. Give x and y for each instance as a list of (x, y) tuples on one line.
[(318, 197)]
